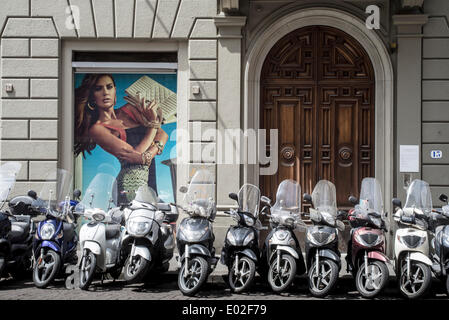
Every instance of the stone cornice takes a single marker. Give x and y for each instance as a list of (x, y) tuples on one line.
[(410, 19)]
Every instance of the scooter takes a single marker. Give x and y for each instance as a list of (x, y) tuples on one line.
[(322, 254), (55, 242), (16, 228), (148, 243), (440, 243), (195, 236), (101, 237), (281, 248), (241, 249), (411, 246), (366, 258)]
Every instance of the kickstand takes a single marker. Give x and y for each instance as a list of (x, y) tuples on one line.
[(102, 278)]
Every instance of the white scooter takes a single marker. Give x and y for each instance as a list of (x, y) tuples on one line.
[(411, 246), (101, 237)]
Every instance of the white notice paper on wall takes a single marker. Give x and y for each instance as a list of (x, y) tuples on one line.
[(409, 158)]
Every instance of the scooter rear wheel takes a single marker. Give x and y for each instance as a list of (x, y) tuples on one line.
[(321, 284), (419, 282), (198, 272), (372, 284), (45, 270), (245, 274), (280, 281), (87, 269)]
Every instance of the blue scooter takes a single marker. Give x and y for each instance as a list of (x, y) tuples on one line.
[(55, 242)]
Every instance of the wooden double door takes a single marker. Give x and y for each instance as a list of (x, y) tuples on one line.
[(317, 90)]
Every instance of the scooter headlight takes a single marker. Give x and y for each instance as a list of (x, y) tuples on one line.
[(320, 238), (412, 241), (138, 228), (249, 238), (47, 231), (248, 220), (230, 237), (368, 239), (281, 235), (194, 235)]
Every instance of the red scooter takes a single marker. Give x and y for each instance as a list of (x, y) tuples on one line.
[(366, 258)]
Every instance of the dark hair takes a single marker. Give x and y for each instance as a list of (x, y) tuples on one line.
[(85, 117)]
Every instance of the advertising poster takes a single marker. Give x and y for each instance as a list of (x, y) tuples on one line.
[(114, 126)]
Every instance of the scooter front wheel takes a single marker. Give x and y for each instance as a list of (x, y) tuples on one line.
[(281, 277), (419, 281), (87, 269), (371, 282), (135, 269), (323, 281), (46, 268), (242, 279), (197, 271)]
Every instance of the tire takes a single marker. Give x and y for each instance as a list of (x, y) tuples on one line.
[(244, 278), (330, 270), (447, 285), (377, 279), (88, 263), (45, 270), (191, 284), (135, 270), (279, 282), (421, 275)]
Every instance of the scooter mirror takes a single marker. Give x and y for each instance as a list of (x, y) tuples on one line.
[(32, 194), (307, 197), (265, 200), (77, 194), (233, 196), (443, 197), (353, 200), (397, 202), (183, 189)]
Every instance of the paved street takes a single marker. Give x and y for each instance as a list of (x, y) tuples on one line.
[(164, 287)]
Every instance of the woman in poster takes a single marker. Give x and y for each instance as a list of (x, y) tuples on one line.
[(131, 134)]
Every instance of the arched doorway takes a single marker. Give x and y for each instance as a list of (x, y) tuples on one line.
[(317, 88)]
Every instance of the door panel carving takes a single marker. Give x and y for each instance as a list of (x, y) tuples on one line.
[(317, 89)]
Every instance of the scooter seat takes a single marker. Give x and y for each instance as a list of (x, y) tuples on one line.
[(69, 231), (19, 231), (112, 231), (162, 206)]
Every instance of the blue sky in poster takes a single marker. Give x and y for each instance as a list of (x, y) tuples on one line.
[(101, 161)]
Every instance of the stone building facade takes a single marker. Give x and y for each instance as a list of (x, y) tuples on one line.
[(221, 48)]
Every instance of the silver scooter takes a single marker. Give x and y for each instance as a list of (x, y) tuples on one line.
[(281, 249), (195, 236), (101, 237), (148, 244), (411, 245)]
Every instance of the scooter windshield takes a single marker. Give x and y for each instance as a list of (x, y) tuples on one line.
[(54, 190), (146, 194), (100, 194), (200, 195), (288, 198), (8, 172), (249, 197), (370, 198), (324, 198), (419, 197)]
